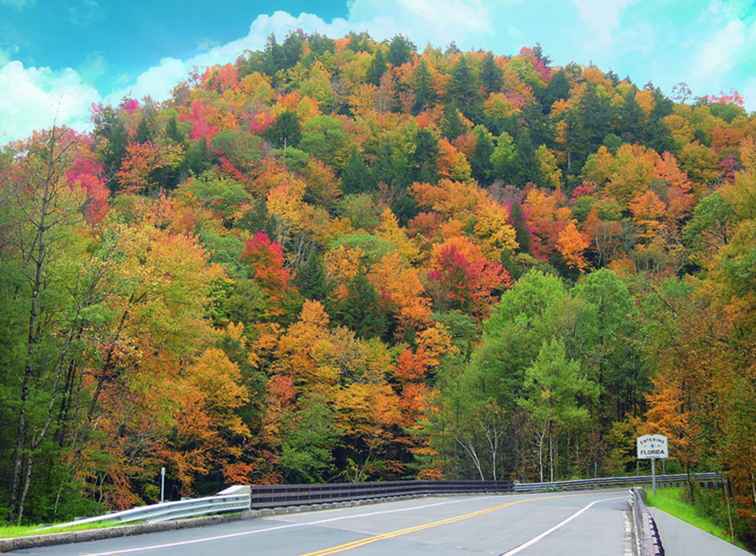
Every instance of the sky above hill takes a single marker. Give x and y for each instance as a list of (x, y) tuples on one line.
[(57, 58)]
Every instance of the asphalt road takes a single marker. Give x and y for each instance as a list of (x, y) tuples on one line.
[(589, 523)]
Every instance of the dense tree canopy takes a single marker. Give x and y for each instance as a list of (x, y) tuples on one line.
[(350, 260)]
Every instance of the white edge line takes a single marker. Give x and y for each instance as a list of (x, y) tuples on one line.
[(534, 540)]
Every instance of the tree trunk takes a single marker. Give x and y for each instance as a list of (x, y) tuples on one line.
[(551, 457), (32, 339), (42, 220), (541, 437), (472, 452)]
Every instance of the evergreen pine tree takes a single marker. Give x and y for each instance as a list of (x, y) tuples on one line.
[(654, 132), (425, 95), (557, 89), (357, 176), (273, 57), (527, 167), (108, 125), (292, 48), (480, 159), (286, 131), (198, 157), (400, 50), (464, 91), (491, 74), (311, 278), (631, 119), (377, 68), (172, 131), (517, 219), (144, 131), (451, 123), (425, 157), (361, 310)]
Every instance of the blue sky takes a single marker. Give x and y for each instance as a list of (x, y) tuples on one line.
[(57, 57)]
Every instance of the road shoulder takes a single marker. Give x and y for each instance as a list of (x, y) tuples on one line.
[(683, 539)]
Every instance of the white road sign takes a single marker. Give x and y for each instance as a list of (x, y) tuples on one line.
[(652, 446)]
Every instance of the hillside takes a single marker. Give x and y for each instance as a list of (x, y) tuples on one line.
[(350, 260)]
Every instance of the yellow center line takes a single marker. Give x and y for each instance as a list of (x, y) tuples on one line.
[(406, 531)]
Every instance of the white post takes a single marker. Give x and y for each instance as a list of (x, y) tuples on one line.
[(653, 474), (162, 484)]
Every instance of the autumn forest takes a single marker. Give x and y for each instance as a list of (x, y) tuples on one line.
[(352, 260)]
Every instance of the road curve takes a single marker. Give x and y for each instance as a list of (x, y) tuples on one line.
[(585, 523)]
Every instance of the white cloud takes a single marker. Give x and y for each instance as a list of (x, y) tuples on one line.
[(716, 55), (722, 60), (602, 18), (424, 21), (34, 98), (156, 82)]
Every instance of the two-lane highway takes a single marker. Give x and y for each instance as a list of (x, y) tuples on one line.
[(586, 523)]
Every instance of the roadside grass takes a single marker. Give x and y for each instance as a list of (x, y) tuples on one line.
[(672, 500), (14, 531)]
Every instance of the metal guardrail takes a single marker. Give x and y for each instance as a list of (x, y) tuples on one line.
[(646, 538), (277, 496), (156, 513), (603, 482), (268, 496), (237, 499)]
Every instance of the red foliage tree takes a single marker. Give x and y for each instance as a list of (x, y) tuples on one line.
[(267, 260), (462, 277)]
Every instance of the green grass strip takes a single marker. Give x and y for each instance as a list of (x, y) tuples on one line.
[(672, 500), (14, 531)]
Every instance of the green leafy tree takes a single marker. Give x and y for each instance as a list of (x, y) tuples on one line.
[(357, 177), (286, 131), (556, 392), (324, 138), (359, 42), (320, 45), (309, 439), (504, 158), (607, 339), (401, 50)]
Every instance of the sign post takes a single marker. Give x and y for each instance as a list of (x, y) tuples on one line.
[(653, 447), (162, 485)]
